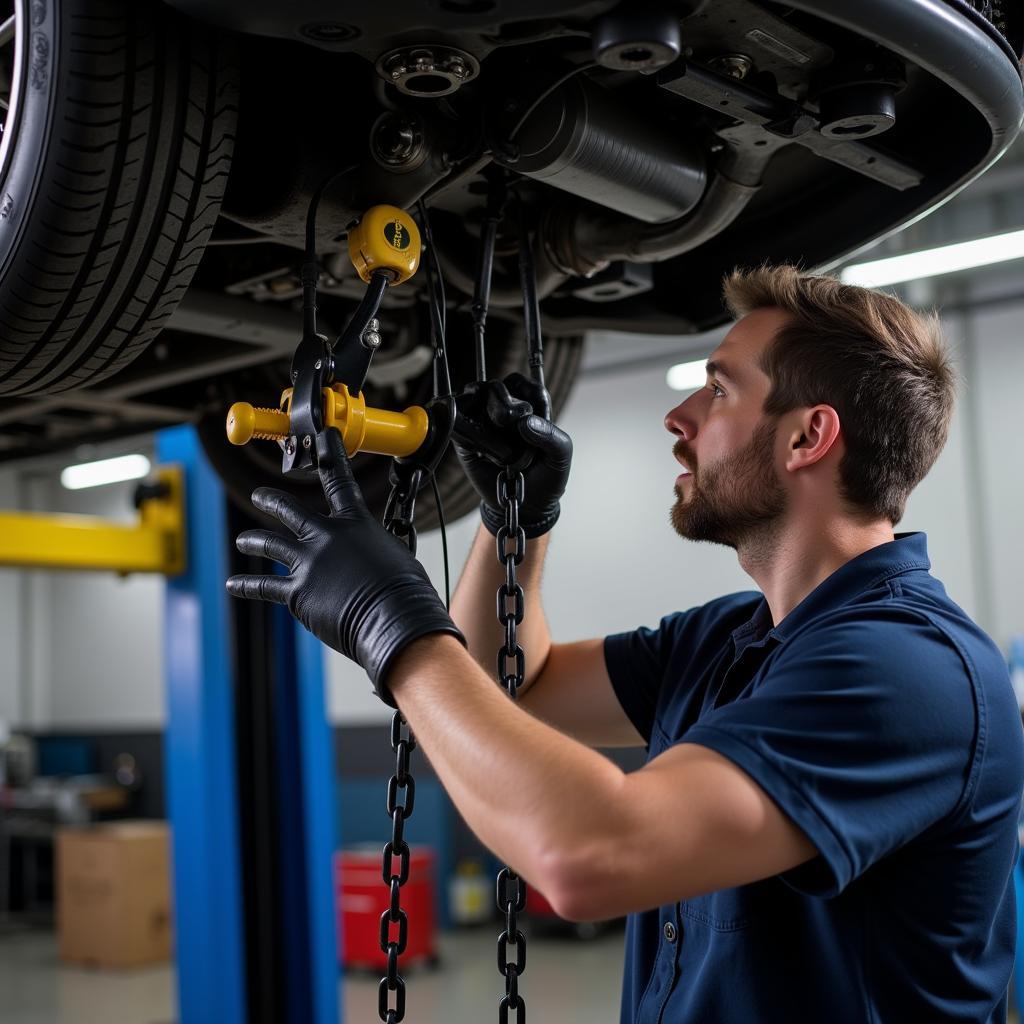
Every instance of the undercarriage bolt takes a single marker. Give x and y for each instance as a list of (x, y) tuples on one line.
[(735, 65)]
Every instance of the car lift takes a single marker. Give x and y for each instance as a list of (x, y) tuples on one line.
[(156, 543)]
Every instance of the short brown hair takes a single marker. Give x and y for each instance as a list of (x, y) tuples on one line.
[(884, 368)]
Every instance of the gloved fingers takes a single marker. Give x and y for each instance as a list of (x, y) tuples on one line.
[(264, 544), (486, 423), (260, 588), (283, 507), (473, 396), (503, 410), (553, 444), (340, 487), (530, 391)]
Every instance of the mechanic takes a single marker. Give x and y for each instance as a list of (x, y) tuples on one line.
[(826, 824)]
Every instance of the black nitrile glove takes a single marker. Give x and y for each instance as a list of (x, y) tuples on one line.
[(351, 583), (511, 421)]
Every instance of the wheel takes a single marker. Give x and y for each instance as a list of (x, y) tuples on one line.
[(116, 146), (256, 464)]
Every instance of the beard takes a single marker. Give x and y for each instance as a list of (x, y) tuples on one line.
[(738, 501)]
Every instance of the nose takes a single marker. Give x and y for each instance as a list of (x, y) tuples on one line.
[(680, 421)]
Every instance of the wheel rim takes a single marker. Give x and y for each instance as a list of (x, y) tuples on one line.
[(12, 69)]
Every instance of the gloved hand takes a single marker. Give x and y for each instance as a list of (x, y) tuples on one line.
[(511, 421), (351, 583)]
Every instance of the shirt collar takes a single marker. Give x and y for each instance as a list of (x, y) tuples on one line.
[(908, 552)]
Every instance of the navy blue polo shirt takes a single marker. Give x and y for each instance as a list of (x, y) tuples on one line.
[(881, 720)]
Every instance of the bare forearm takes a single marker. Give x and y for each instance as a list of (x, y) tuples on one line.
[(535, 797), (474, 604)]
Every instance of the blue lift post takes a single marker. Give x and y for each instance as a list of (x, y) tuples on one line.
[(308, 810), (203, 791)]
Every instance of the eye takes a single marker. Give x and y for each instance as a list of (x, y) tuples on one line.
[(719, 393)]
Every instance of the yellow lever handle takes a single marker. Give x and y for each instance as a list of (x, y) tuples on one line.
[(362, 428)]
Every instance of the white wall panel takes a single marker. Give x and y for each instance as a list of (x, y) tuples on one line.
[(998, 387)]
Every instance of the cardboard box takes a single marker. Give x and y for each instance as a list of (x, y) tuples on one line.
[(114, 894)]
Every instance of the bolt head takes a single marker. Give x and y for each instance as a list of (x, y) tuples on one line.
[(307, 442)]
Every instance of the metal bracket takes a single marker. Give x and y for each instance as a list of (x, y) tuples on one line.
[(781, 121)]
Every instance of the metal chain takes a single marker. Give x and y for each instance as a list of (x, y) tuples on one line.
[(400, 509), (402, 785), (511, 670), (511, 889)]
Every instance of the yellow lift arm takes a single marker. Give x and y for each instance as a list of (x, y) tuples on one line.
[(156, 543)]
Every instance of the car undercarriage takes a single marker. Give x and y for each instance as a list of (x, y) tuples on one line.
[(158, 166)]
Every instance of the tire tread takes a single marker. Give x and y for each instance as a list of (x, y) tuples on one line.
[(128, 202)]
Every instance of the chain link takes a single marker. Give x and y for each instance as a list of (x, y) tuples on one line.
[(400, 509), (511, 670), (400, 800)]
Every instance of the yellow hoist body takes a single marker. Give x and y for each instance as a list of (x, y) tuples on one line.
[(387, 240)]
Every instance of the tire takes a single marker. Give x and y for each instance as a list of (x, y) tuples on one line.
[(258, 464), (123, 134)]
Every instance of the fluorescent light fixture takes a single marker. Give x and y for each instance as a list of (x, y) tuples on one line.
[(687, 376), (106, 471), (932, 262)]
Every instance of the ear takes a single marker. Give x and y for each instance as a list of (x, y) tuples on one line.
[(814, 434)]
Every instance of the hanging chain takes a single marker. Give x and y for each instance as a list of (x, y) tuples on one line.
[(398, 521), (511, 889), (400, 510)]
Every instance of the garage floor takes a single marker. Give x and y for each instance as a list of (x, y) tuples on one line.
[(566, 980)]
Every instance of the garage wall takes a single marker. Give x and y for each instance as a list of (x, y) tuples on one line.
[(107, 663), (996, 478), (84, 650)]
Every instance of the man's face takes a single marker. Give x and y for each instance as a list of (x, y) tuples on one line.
[(730, 492)]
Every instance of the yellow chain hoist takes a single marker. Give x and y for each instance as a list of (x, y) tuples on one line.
[(385, 251)]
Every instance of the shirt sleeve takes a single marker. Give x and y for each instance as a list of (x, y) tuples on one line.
[(646, 665), (636, 663), (863, 732)]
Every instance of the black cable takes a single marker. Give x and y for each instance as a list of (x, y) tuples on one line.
[(438, 307), (561, 80), (497, 194), (444, 541), (314, 203), (434, 263), (310, 269), (531, 305)]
